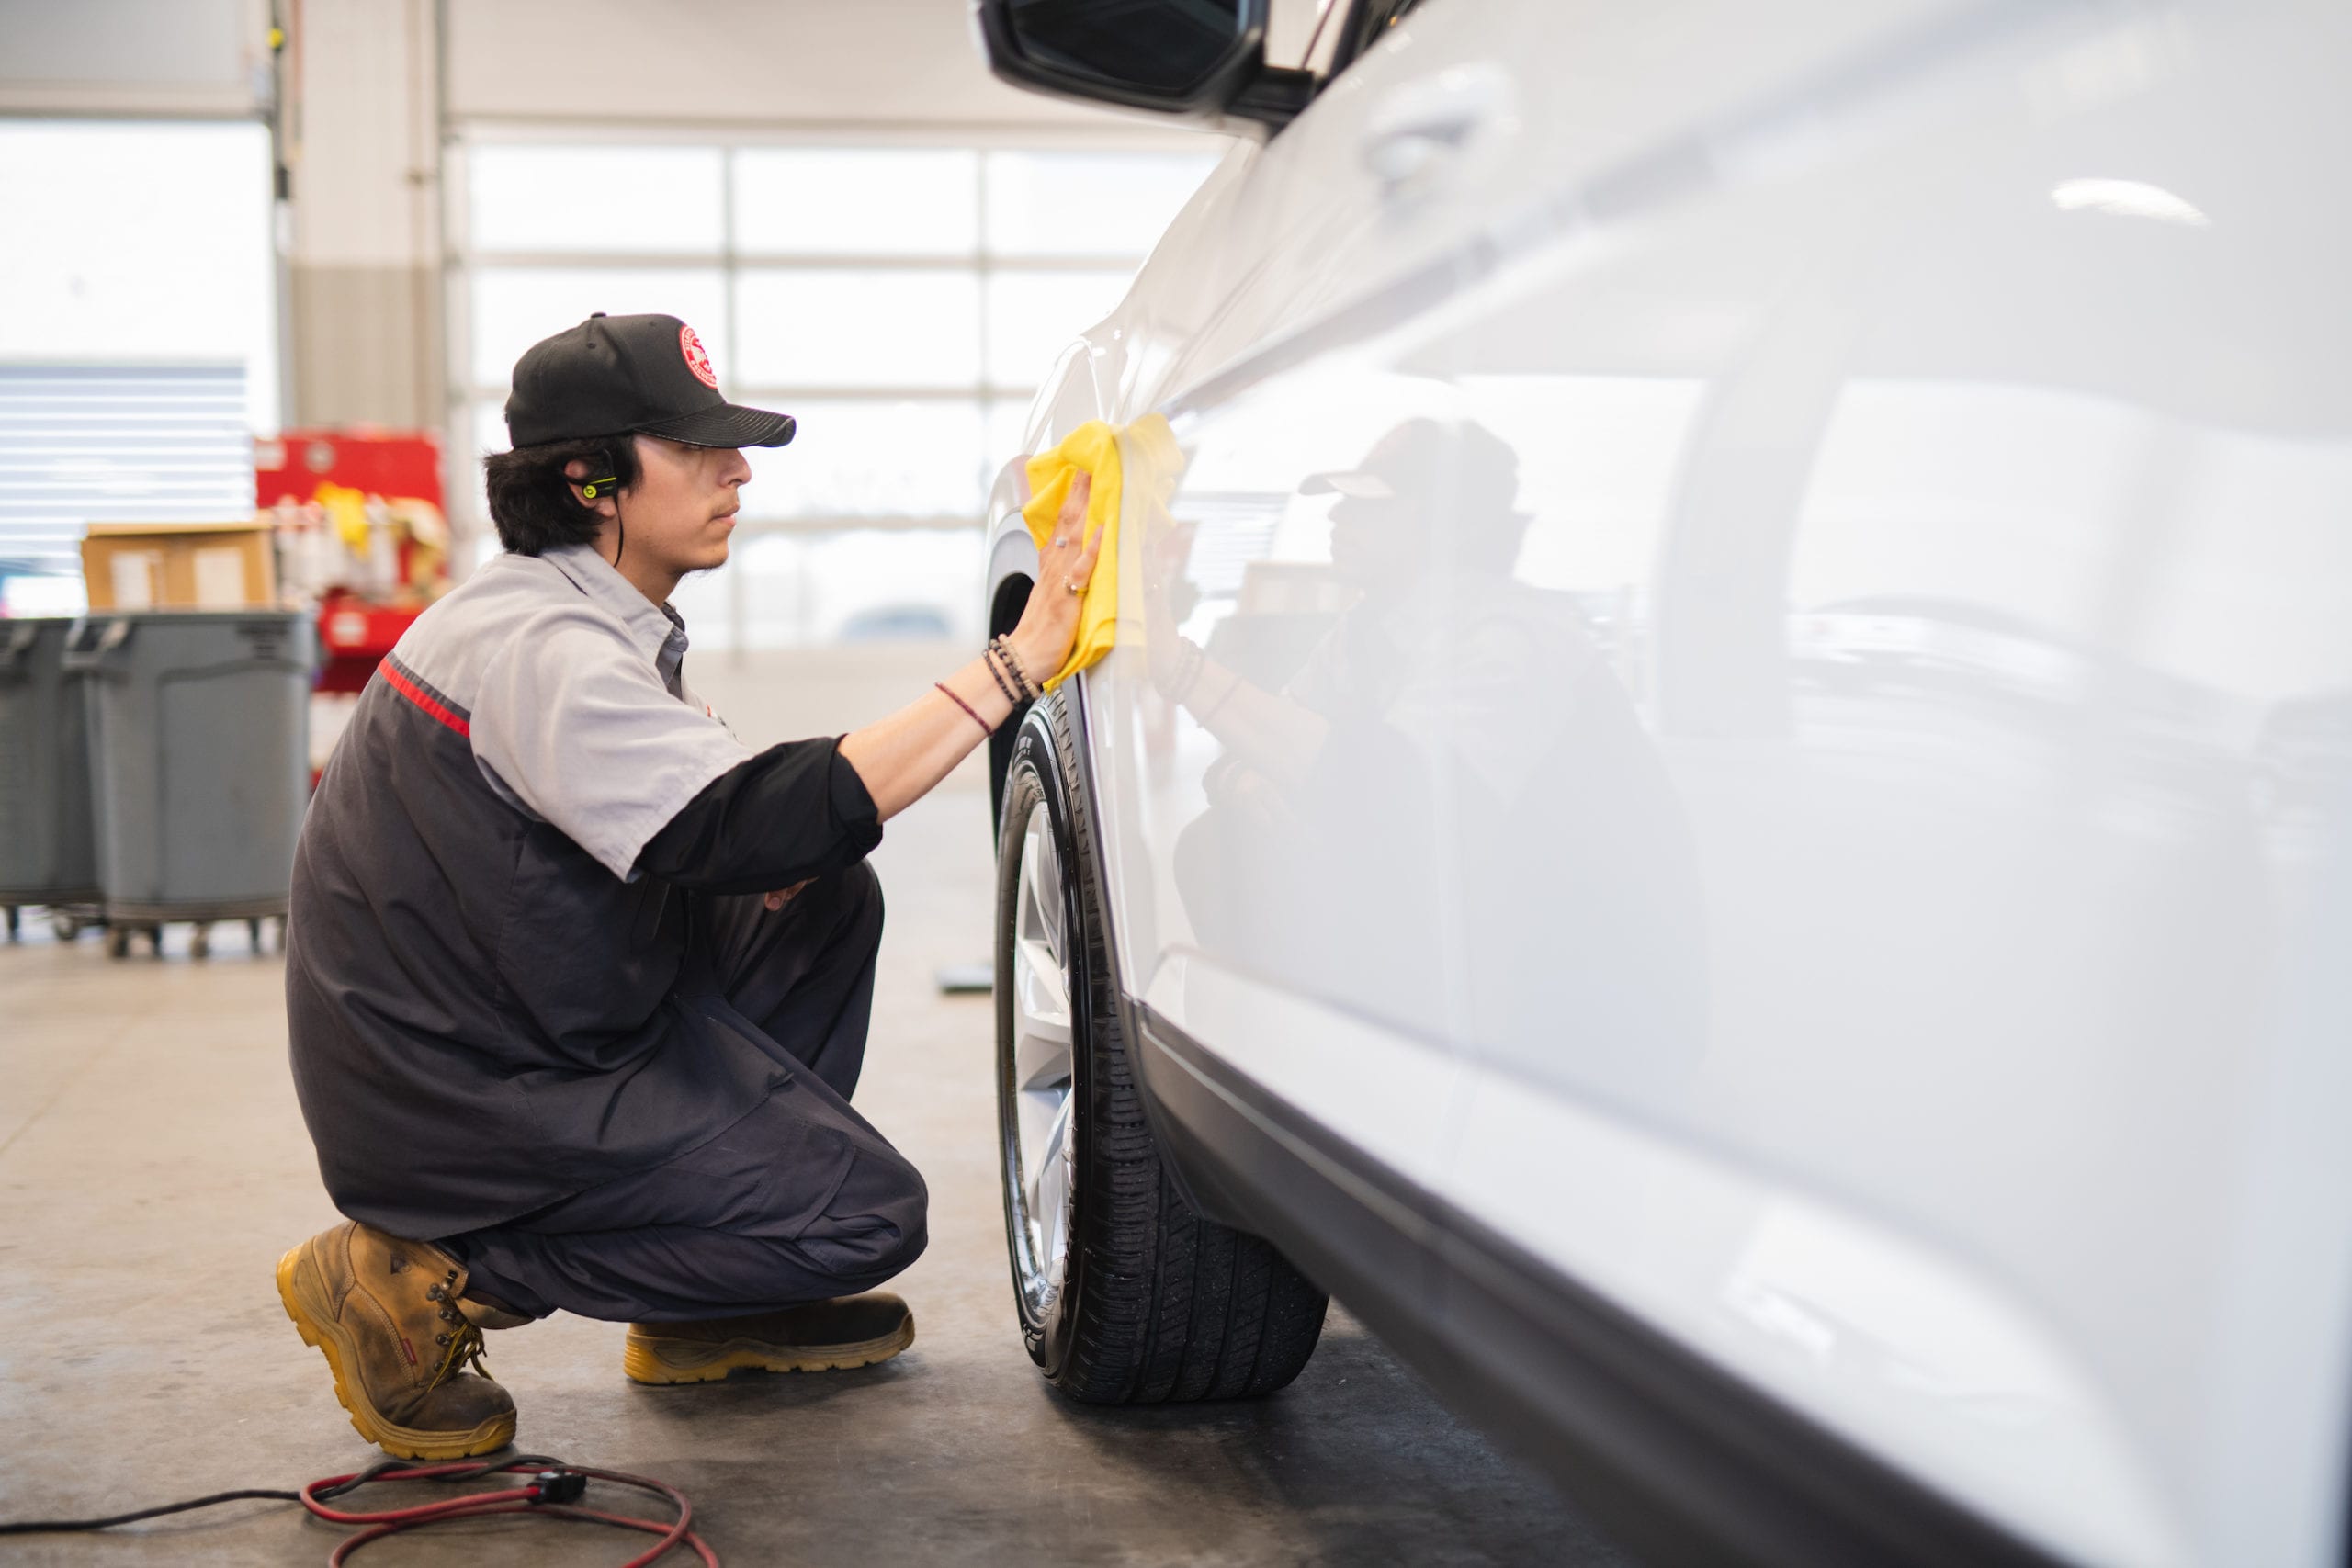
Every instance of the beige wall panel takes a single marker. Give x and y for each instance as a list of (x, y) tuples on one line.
[(363, 308), (366, 343)]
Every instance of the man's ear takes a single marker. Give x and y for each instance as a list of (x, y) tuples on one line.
[(603, 501)]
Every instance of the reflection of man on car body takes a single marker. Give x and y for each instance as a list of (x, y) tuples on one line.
[(1459, 723), (578, 982)]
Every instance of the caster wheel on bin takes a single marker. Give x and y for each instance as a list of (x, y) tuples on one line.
[(65, 928), (199, 941), (117, 941), (155, 938)]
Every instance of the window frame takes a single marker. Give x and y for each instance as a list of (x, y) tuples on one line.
[(1362, 28)]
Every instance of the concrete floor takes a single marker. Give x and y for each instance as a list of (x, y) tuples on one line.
[(152, 1167)]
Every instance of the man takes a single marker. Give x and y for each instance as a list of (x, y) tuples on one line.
[(577, 983)]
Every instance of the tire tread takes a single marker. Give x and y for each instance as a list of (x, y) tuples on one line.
[(1175, 1308)]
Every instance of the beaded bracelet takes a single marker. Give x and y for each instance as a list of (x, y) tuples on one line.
[(1013, 669), (988, 662), (1003, 651), (1190, 661), (960, 703), (1029, 688)]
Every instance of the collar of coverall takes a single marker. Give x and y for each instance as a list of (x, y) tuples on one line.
[(650, 626)]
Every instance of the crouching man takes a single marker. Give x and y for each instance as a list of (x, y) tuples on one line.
[(577, 983)]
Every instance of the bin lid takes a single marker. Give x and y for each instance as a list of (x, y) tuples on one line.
[(193, 617)]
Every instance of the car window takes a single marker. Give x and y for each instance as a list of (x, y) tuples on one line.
[(1368, 20)]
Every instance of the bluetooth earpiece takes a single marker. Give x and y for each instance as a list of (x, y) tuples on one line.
[(608, 485)]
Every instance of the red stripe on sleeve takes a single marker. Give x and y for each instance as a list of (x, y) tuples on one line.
[(423, 699)]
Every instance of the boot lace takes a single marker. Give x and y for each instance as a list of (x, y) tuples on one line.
[(464, 1347), (461, 1342)]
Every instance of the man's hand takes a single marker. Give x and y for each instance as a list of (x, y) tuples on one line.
[(778, 900), (1048, 623)]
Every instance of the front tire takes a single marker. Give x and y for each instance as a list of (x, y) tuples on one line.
[(1125, 1294)]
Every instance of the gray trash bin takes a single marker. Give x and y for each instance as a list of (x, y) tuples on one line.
[(199, 732), (47, 853)]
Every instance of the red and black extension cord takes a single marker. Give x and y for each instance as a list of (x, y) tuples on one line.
[(553, 1489)]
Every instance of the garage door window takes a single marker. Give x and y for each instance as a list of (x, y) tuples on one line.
[(900, 301)]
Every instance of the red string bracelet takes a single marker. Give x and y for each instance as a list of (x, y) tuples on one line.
[(985, 728)]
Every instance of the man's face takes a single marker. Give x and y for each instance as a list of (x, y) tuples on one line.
[(1373, 542), (682, 509)]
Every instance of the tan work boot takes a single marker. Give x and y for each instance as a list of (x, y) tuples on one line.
[(387, 1314), (848, 1331)]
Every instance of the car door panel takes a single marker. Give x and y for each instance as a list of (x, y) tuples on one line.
[(1928, 635), (1274, 845)]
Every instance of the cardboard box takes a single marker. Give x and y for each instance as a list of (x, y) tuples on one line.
[(179, 566)]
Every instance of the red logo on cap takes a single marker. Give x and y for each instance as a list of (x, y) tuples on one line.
[(697, 360)]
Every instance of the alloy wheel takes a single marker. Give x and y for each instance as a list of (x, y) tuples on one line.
[(1042, 1064)]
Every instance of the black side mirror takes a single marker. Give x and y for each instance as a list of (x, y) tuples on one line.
[(1198, 60)]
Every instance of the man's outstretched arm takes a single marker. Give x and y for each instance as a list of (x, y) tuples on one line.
[(904, 756)]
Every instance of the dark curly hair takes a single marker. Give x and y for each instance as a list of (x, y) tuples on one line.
[(531, 500)]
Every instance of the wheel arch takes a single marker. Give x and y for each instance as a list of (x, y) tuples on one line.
[(1005, 601)]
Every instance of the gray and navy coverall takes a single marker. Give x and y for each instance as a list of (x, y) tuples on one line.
[(538, 1012)]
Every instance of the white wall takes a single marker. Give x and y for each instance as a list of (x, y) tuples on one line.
[(751, 62)]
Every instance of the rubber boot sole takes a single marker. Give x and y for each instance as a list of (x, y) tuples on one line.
[(304, 1297), (648, 1359)]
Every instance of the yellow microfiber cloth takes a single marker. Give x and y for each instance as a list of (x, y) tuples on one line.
[(1093, 448)]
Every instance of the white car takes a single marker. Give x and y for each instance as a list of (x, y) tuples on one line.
[(1722, 794)]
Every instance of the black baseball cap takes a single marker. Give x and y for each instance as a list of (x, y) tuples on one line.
[(625, 375), (1474, 470)]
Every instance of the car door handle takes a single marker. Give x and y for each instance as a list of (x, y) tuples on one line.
[(1430, 123)]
